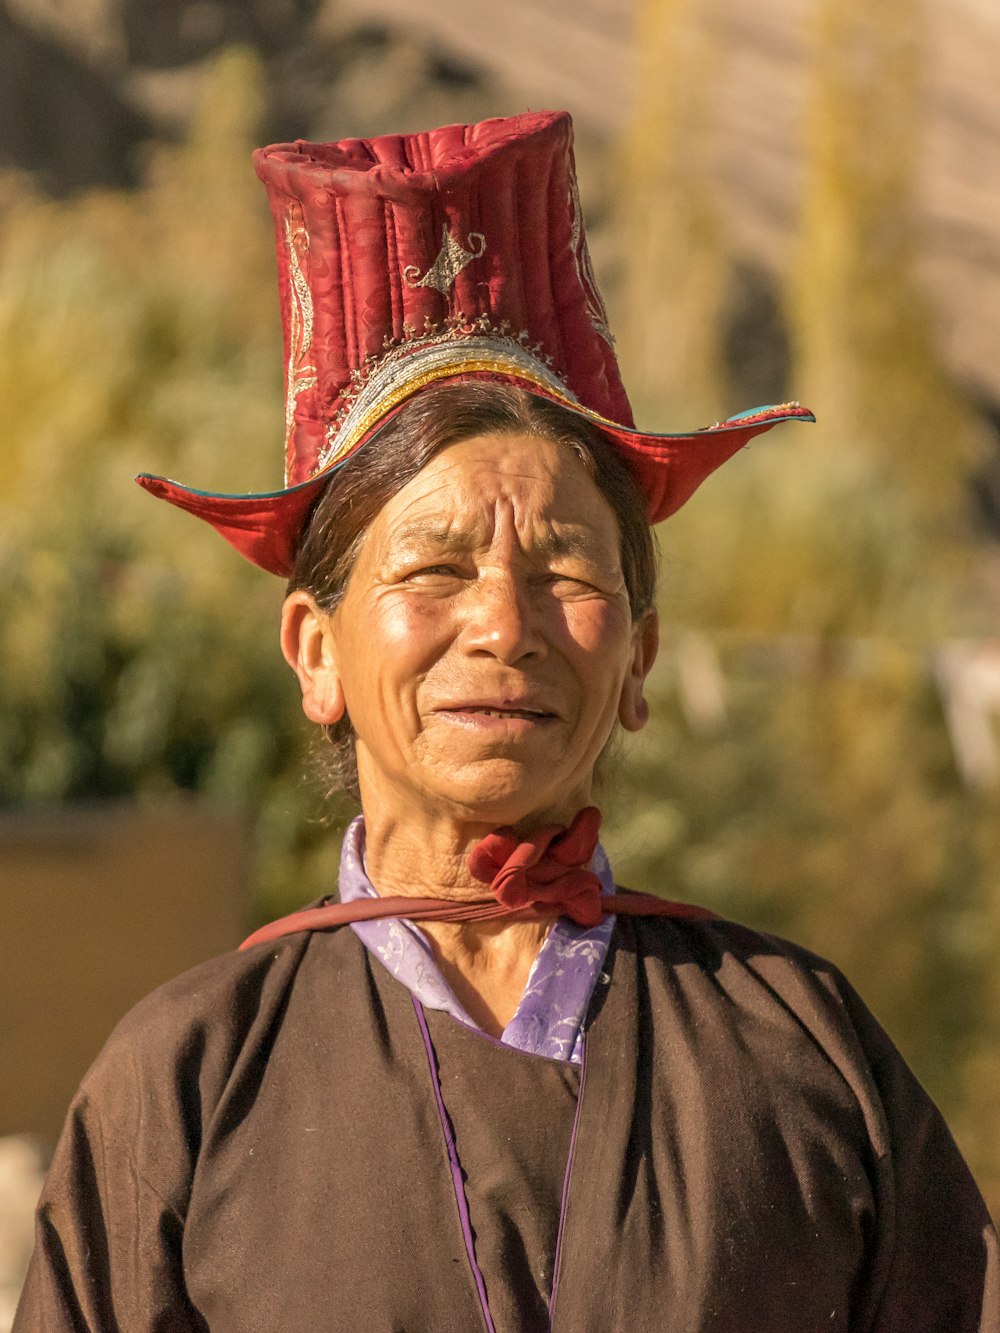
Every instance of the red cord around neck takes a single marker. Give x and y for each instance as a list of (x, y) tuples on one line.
[(531, 879)]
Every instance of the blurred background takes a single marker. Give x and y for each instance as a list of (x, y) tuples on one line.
[(785, 199)]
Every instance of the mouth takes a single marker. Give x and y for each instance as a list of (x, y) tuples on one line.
[(518, 716), (530, 714)]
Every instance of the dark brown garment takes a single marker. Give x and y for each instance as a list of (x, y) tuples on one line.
[(513, 1116), (259, 1147)]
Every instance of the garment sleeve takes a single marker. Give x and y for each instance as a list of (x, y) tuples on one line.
[(107, 1255), (936, 1264)]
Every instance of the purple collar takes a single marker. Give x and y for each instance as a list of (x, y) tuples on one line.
[(549, 1018)]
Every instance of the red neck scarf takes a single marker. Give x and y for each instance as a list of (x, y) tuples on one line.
[(531, 879), (548, 872)]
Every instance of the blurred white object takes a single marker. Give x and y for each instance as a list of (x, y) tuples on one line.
[(968, 677), (22, 1171), (701, 684)]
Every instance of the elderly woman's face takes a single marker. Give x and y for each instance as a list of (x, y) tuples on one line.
[(485, 646)]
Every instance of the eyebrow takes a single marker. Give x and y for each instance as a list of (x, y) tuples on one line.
[(432, 533), (551, 544), (567, 543)]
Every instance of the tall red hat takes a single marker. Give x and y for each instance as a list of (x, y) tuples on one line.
[(413, 259)]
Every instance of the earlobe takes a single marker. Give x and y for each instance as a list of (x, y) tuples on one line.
[(307, 643), (633, 708)]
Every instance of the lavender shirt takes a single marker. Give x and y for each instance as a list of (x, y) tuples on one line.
[(549, 1018)]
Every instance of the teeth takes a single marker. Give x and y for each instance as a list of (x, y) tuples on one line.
[(508, 712)]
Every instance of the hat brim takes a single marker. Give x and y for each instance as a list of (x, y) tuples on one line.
[(265, 528)]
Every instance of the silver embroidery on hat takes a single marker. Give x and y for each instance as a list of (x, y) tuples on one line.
[(581, 253), (452, 258), (300, 373), (427, 357)]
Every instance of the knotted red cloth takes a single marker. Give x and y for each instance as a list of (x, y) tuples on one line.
[(549, 870), (531, 879)]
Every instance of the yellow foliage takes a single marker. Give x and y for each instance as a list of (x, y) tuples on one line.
[(822, 566), (676, 271), (138, 653), (864, 349)]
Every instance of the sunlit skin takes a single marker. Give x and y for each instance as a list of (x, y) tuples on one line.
[(484, 650)]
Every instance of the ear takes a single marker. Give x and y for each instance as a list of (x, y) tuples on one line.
[(308, 646), (633, 710)]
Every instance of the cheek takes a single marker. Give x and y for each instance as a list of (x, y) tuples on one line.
[(390, 652), (411, 626), (597, 634), (394, 646)]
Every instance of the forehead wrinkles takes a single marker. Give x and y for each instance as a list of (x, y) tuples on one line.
[(474, 497), (496, 526), (473, 507)]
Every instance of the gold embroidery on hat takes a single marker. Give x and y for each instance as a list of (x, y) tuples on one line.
[(458, 346), (581, 253), (452, 258), (344, 441), (300, 373)]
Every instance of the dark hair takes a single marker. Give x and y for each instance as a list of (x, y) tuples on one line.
[(441, 416)]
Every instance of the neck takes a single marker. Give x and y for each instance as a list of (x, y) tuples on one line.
[(410, 861), (426, 854), (485, 963)]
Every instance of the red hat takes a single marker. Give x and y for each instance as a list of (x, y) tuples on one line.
[(413, 259)]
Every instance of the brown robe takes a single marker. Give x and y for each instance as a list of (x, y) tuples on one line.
[(260, 1146)]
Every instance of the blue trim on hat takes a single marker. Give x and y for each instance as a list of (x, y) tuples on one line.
[(238, 495), (760, 411)]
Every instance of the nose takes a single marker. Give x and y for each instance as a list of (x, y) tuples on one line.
[(500, 619)]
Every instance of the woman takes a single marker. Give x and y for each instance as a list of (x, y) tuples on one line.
[(550, 1103)]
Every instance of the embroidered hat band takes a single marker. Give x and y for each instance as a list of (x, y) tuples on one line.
[(456, 352)]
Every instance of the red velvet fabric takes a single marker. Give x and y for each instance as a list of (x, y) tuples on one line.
[(373, 213)]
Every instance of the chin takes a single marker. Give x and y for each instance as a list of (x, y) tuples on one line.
[(498, 792)]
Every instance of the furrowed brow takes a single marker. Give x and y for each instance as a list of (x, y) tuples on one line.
[(568, 543), (431, 535)]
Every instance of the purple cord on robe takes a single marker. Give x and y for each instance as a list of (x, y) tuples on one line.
[(549, 1019)]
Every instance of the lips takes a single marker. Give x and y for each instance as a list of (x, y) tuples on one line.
[(531, 712)]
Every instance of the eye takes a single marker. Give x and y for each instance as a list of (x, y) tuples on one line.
[(560, 580), (434, 571)]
